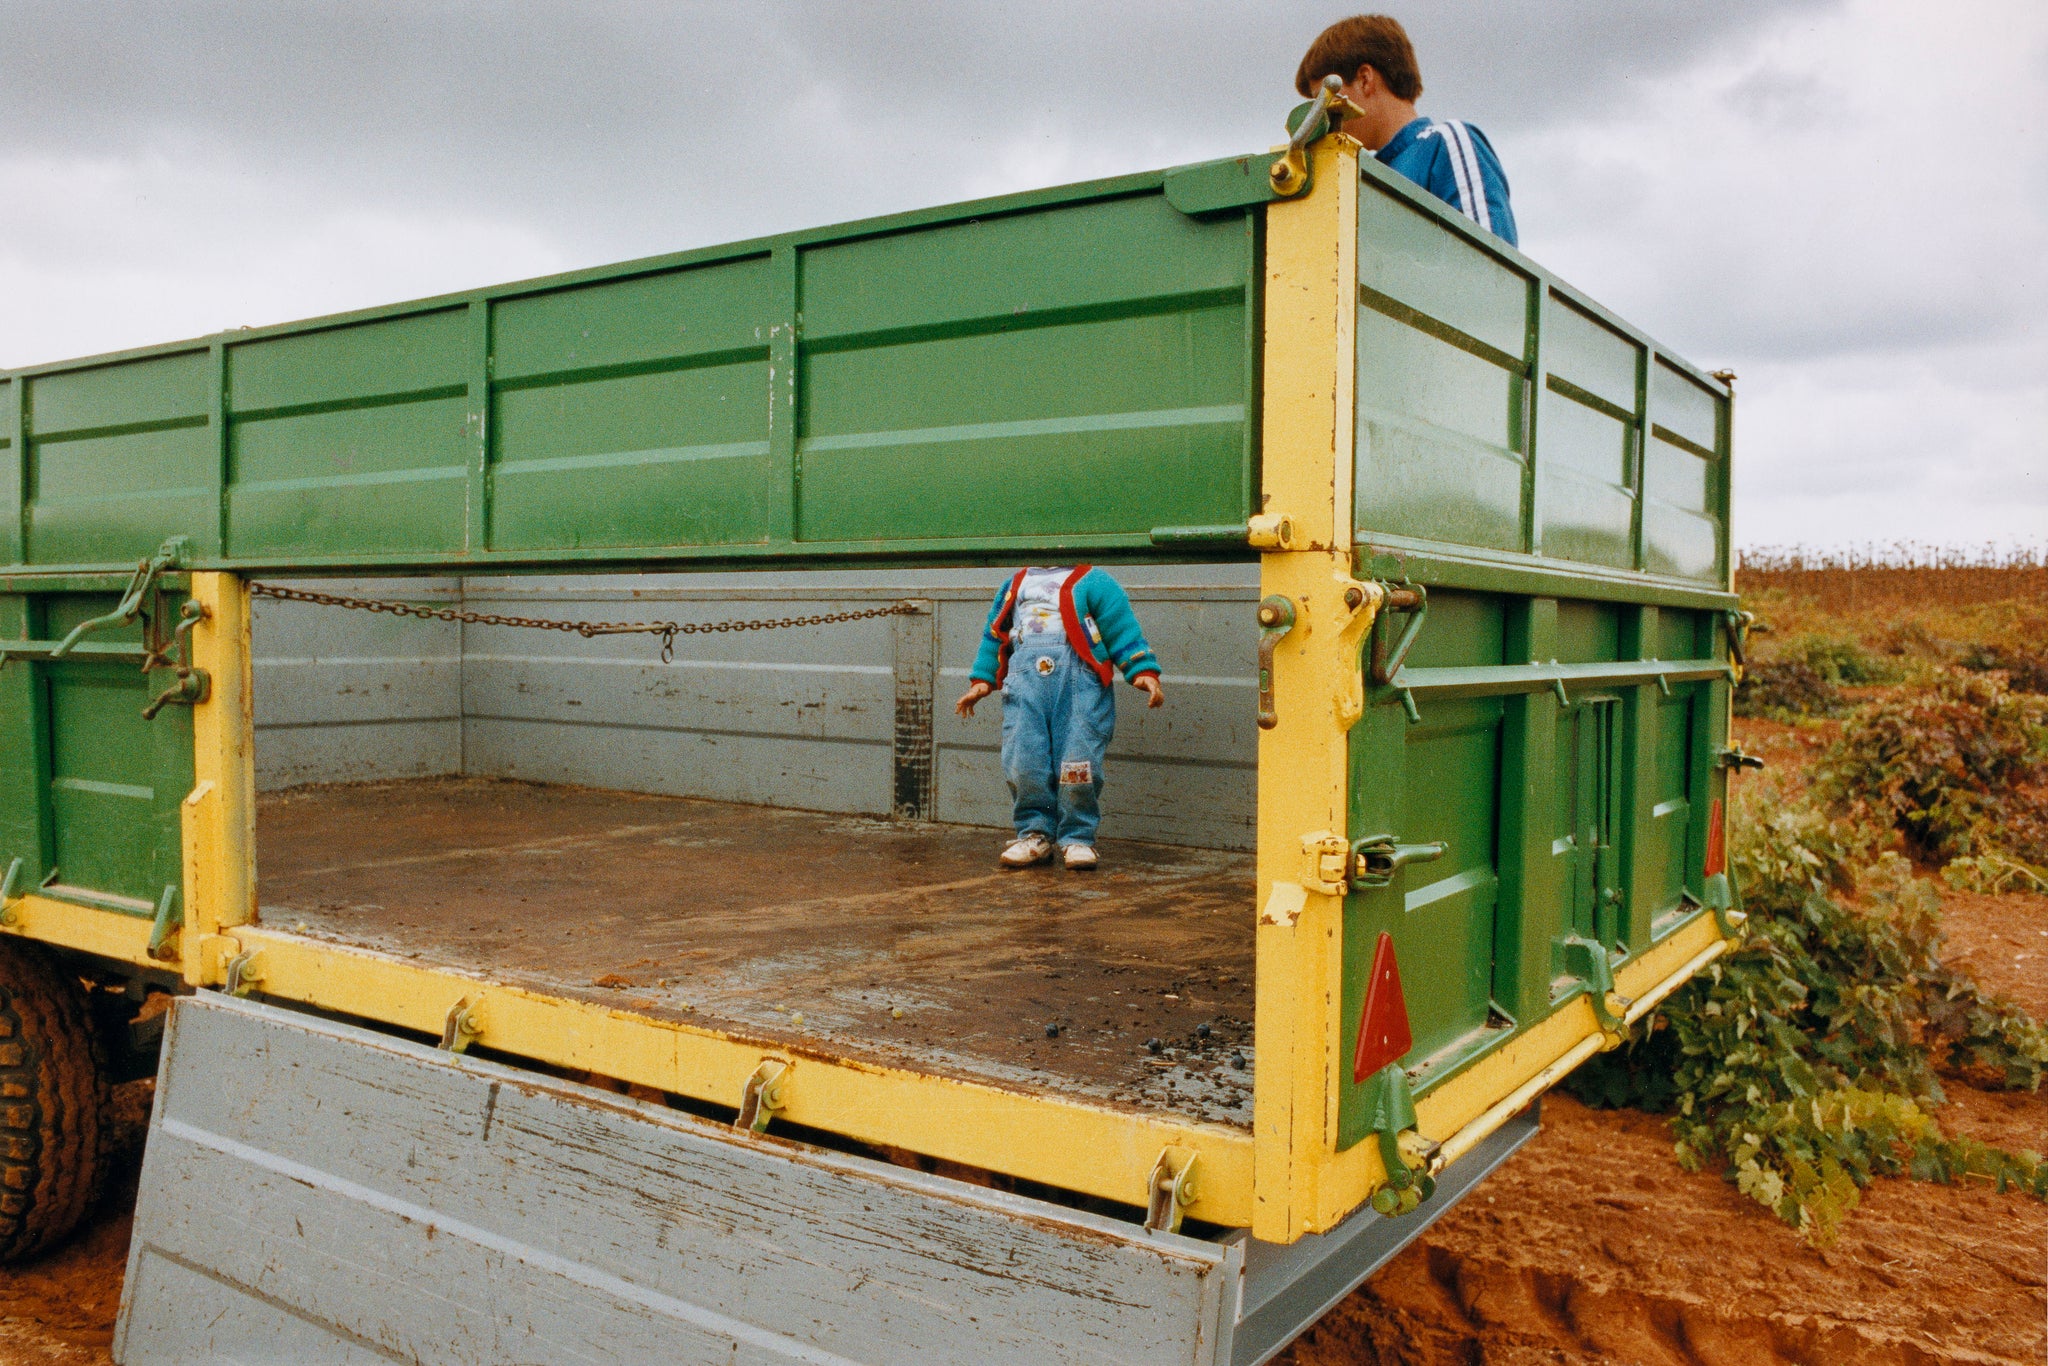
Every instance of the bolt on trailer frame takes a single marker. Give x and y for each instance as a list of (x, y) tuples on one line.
[(1490, 520)]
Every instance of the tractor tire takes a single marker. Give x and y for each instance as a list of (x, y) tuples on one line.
[(53, 1102)]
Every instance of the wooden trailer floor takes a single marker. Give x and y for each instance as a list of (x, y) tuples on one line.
[(896, 942)]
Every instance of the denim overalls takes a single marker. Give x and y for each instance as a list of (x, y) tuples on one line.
[(1058, 718)]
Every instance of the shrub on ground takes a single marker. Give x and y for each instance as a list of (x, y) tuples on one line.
[(1953, 768), (1785, 690), (2025, 670), (1803, 1062), (1839, 662)]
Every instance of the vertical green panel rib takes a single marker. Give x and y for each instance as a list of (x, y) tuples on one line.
[(784, 391), (1530, 898), (15, 497), (1644, 381), (217, 425), (1640, 730), (23, 818), (1539, 395), (476, 509)]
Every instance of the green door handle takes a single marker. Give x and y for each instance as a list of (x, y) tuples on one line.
[(1376, 862)]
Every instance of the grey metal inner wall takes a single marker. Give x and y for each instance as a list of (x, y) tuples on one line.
[(854, 717), (352, 696)]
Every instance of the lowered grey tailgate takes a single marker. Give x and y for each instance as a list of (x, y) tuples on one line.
[(315, 1192)]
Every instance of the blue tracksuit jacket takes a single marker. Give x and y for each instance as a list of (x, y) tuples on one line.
[(1454, 161)]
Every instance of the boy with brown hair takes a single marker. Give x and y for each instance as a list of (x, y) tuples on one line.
[(1450, 158)]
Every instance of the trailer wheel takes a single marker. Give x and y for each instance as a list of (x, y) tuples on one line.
[(53, 1102)]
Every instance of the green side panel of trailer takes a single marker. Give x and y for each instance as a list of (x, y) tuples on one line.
[(872, 390), (1558, 486), (1500, 410), (89, 789)]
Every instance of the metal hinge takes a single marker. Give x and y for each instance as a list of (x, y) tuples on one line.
[(170, 917), (764, 1094), (463, 1025), (1170, 1189), (1406, 1155), (244, 970), (1736, 759), (1719, 897), (11, 892), (1588, 960)]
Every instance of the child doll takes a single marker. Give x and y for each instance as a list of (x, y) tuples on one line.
[(1066, 632)]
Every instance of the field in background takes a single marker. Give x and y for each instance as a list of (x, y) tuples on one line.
[(1900, 576)]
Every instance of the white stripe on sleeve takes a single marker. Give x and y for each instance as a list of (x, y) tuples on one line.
[(1461, 141), (1458, 173)]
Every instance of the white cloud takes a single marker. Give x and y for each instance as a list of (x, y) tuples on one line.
[(1852, 212), (1847, 202)]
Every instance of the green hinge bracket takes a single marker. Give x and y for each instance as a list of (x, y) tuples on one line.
[(1405, 1154), (167, 556), (1589, 961), (1720, 896), (1412, 599), (170, 918), (11, 892)]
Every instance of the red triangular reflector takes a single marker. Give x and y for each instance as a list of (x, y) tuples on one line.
[(1717, 847), (1383, 1035)]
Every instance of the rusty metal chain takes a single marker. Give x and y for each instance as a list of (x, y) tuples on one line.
[(667, 630)]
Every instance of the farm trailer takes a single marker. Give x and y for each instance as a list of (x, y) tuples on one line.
[(415, 1103)]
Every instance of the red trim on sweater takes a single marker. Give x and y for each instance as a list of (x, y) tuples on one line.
[(1077, 636), (1000, 627), (1070, 619)]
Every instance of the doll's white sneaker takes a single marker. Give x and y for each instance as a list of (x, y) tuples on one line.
[(1079, 858), (1026, 850)]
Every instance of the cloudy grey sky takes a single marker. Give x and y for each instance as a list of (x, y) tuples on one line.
[(1846, 201)]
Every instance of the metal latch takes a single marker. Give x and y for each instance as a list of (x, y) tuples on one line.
[(1276, 619), (1413, 599), (1170, 1189), (130, 606), (764, 1094), (1328, 858), (1378, 860), (193, 685), (1739, 624), (1290, 173), (464, 1023), (1734, 757), (244, 970)]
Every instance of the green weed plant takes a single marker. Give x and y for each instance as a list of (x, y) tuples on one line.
[(1957, 769), (1804, 1063)]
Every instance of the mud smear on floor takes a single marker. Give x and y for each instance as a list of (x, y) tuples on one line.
[(892, 941)]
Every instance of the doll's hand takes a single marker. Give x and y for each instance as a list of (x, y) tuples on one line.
[(1149, 685), (975, 692)]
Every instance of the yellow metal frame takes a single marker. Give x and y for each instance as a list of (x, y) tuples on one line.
[(1283, 1179), (1301, 1183)]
